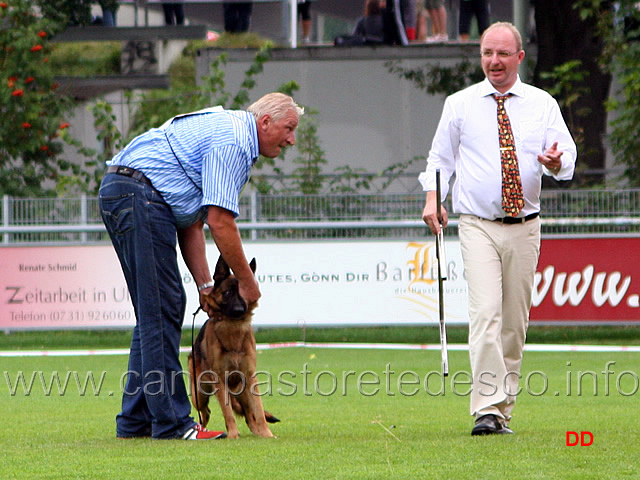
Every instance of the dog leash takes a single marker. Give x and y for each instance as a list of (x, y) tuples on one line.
[(194, 360), (193, 357)]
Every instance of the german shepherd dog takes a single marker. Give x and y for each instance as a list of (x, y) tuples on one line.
[(223, 359)]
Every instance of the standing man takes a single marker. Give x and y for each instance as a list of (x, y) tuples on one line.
[(393, 19), (161, 188), (173, 13), (468, 9), (438, 14), (237, 16), (499, 137), (304, 12)]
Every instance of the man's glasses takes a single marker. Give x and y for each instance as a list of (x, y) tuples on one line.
[(501, 54)]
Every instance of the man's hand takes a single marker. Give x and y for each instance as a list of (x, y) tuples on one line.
[(206, 307), (250, 290), (551, 158), (227, 237), (430, 214)]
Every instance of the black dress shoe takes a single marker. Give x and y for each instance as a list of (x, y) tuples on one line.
[(487, 425)]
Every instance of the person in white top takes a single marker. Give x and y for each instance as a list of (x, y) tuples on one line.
[(500, 249)]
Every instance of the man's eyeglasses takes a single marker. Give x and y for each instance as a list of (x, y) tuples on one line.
[(489, 54)]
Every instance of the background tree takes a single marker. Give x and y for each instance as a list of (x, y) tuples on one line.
[(620, 29), (33, 117), (67, 12), (564, 35), (156, 106), (311, 158)]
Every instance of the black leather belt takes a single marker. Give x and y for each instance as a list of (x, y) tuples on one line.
[(129, 172), (514, 220)]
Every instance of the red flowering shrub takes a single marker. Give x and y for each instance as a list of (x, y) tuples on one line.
[(31, 111)]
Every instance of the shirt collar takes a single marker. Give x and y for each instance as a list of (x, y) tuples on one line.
[(487, 89), (254, 146)]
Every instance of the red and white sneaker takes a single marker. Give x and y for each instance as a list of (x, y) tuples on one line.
[(198, 432)]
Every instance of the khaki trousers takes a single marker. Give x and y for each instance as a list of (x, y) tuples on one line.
[(499, 264)]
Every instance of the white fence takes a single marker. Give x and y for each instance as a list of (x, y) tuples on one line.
[(53, 221)]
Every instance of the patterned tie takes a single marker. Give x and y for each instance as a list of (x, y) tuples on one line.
[(512, 198)]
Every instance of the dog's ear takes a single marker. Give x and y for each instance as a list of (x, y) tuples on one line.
[(222, 271), (252, 265)]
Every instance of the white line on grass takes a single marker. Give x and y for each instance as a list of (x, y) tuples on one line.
[(369, 346)]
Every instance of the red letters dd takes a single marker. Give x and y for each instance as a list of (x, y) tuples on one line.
[(584, 438)]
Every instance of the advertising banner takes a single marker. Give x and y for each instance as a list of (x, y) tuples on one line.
[(588, 280), (62, 287), (310, 283), (330, 283), (356, 283)]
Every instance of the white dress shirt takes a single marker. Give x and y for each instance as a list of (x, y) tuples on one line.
[(466, 142)]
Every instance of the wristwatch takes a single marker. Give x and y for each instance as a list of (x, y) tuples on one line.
[(205, 285)]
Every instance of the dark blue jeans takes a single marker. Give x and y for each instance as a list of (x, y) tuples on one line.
[(143, 232)]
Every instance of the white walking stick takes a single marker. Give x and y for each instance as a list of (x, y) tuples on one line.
[(442, 276)]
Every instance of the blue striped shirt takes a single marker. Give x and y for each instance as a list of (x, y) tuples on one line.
[(200, 159)]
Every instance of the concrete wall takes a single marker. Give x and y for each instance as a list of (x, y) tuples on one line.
[(368, 118)]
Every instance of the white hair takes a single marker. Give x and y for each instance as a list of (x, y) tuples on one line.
[(276, 105)]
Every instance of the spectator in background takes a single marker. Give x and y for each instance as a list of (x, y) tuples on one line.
[(173, 13), (421, 21), (237, 16), (304, 11), (370, 26), (438, 15), (468, 9), (409, 18), (109, 9), (399, 21)]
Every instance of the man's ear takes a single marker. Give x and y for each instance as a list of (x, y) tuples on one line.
[(264, 121)]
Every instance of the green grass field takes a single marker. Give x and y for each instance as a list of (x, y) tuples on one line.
[(367, 426), (43, 340)]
